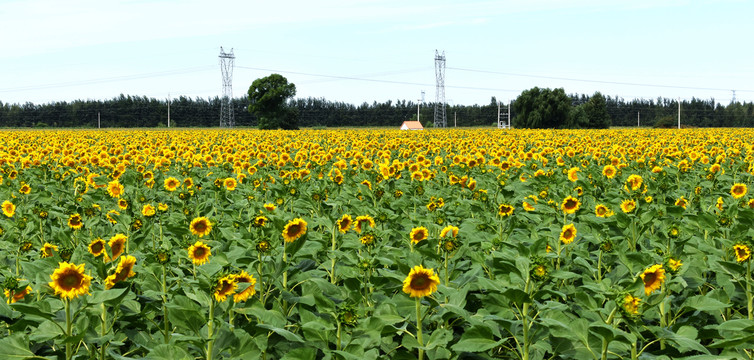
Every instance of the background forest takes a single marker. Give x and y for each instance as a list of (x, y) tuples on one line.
[(128, 111)]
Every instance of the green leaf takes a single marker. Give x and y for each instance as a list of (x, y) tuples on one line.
[(439, 338), (282, 332), (704, 303), (476, 339), (301, 353), (15, 346), (168, 352)]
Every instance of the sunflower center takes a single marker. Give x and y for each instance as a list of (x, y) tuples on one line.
[(570, 204), (420, 282), (200, 226), (199, 252), (294, 229), (650, 278), (70, 280)]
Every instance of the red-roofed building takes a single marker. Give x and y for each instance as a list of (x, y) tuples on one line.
[(412, 125)]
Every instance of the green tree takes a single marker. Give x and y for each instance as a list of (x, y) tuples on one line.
[(596, 112), (542, 108), (267, 101)]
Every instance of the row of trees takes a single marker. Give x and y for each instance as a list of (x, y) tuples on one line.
[(575, 111)]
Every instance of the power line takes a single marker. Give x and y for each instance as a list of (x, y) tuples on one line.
[(370, 80), (110, 79), (593, 81)]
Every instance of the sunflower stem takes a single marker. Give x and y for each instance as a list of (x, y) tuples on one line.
[(419, 327), (749, 297), (210, 329), (68, 328), (332, 265), (338, 337), (103, 331), (166, 334)]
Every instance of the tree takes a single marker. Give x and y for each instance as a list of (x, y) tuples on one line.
[(596, 112), (542, 108), (267, 101)]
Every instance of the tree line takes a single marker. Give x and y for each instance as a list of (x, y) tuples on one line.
[(126, 111)]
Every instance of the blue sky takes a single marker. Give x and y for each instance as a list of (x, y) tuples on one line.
[(367, 50)]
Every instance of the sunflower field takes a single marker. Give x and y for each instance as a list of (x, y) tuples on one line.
[(374, 244)]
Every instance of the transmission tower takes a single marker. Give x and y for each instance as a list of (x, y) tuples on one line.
[(440, 119), (226, 107)]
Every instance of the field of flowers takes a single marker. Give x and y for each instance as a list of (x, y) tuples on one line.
[(373, 244)]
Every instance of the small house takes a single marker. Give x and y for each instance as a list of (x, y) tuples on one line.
[(412, 125)]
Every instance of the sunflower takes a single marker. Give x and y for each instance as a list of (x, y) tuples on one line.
[(200, 226), (630, 304), (25, 189), (244, 278), (570, 205), (602, 211), (367, 239), (115, 189), (269, 206), (505, 210), (227, 285), (122, 272), (738, 190), (69, 280), (567, 234), (344, 223), (117, 245), (742, 251), (361, 220), (260, 221), (188, 182), (230, 184), (162, 207), (653, 278), (527, 206), (47, 249), (148, 210), (418, 234), (14, 295), (8, 208), (609, 171), (123, 204), (294, 229), (634, 182), (199, 253), (572, 174), (420, 282), (674, 265), (97, 247), (682, 202), (171, 184), (628, 206), (263, 246), (450, 229)]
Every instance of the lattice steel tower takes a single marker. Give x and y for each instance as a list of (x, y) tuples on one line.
[(226, 105), (440, 119)]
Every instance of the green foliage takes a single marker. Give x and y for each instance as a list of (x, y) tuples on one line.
[(267, 97), (596, 112), (666, 122), (542, 109)]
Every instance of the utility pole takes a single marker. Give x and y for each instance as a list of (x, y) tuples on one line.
[(498, 113), (509, 115), (419, 103), (455, 119), (99, 126), (168, 110), (679, 113), (226, 103), (638, 119)]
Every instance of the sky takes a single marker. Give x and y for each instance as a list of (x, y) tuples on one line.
[(358, 51)]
